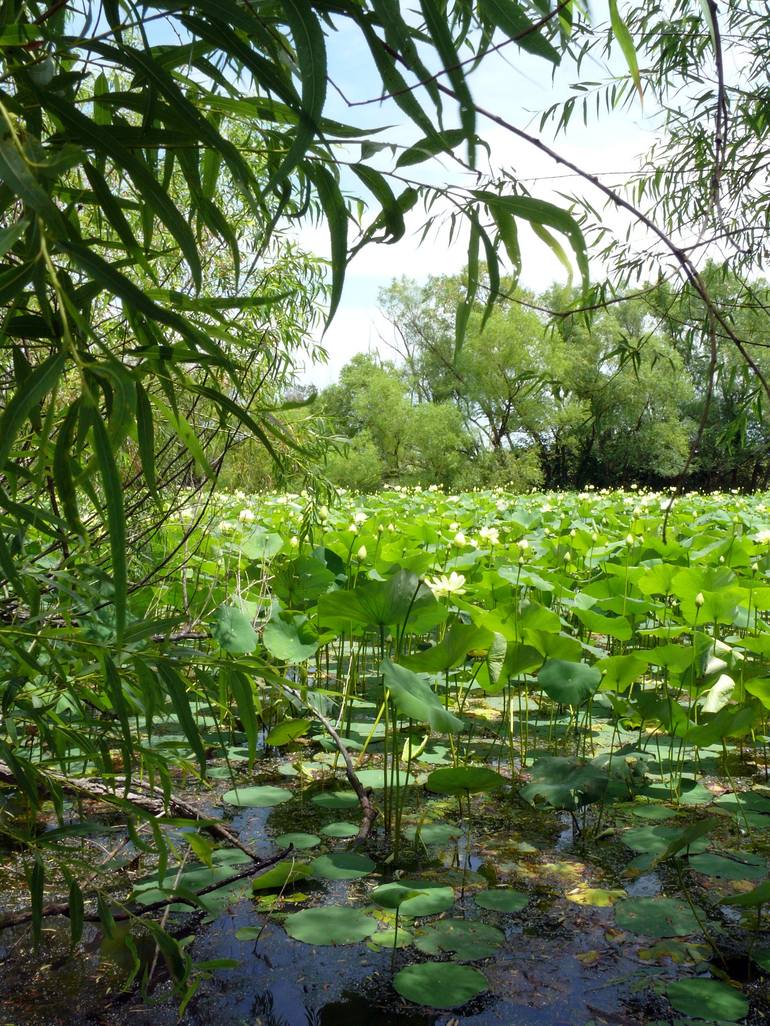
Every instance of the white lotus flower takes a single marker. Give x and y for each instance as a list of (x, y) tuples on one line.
[(246, 516), (490, 534), (442, 586), (459, 539), (763, 536)]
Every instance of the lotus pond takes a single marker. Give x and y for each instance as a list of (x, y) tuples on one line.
[(513, 749)]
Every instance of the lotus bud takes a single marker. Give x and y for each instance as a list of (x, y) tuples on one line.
[(629, 539), (294, 542), (323, 513), (699, 599), (754, 567), (459, 538), (361, 553)]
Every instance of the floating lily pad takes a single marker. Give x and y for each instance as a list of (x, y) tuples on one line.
[(707, 999), (730, 865), (433, 833), (432, 899), (221, 773), (597, 897), (389, 938), (464, 779), (331, 924), (341, 866), (652, 811), (263, 797), (281, 875), (466, 939), (394, 894), (300, 841), (656, 917), (440, 984), (335, 799), (375, 778), (340, 829), (502, 899), (248, 933), (653, 840)]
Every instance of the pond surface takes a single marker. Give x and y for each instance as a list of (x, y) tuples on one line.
[(566, 958)]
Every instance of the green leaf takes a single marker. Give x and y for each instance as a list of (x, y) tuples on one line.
[(465, 780), (310, 46), (440, 984), (180, 700), (242, 691), (656, 917), (465, 939), (414, 699), (330, 925), (287, 731), (543, 214), (623, 37), (430, 146), (288, 642), (568, 683), (437, 26), (710, 999), (232, 630), (259, 797), (508, 16), (35, 387), (115, 515), (349, 865), (337, 219)]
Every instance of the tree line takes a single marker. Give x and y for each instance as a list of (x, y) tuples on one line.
[(546, 394)]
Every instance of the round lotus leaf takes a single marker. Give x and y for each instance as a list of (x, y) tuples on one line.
[(221, 773), (432, 833), (340, 829), (390, 939), (281, 875), (730, 865), (440, 984), (300, 841), (335, 799), (568, 683), (331, 924), (464, 779), (395, 893), (345, 865), (656, 917), (653, 840), (432, 898), (374, 778), (707, 999), (502, 899), (466, 939), (262, 797), (597, 897), (653, 812), (307, 769)]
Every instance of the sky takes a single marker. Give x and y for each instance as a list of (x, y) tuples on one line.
[(512, 84)]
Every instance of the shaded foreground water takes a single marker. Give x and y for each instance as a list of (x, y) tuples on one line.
[(579, 951)]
